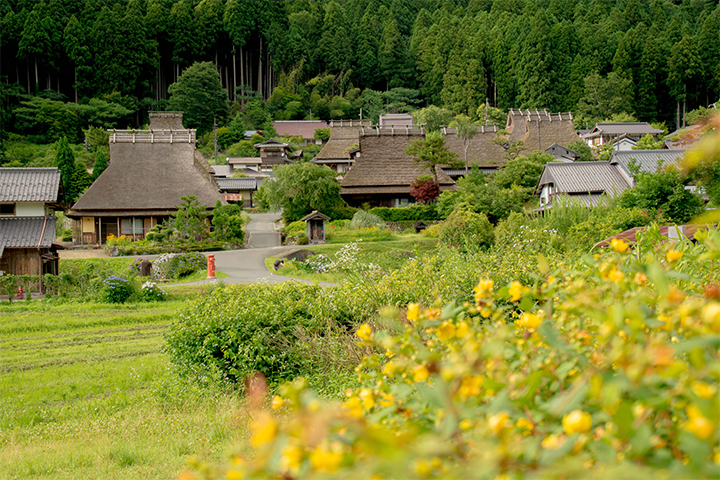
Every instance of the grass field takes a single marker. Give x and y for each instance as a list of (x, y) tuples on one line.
[(86, 392)]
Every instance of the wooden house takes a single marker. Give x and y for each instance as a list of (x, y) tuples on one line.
[(604, 133), (238, 190), (383, 172), (586, 182), (28, 199), (338, 152), (148, 172), (305, 129), (646, 160), (562, 154), (538, 129), (273, 153)]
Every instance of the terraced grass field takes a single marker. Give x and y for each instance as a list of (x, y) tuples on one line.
[(86, 392)]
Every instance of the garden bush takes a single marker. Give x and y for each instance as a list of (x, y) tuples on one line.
[(603, 367), (467, 231), (151, 292), (178, 265), (411, 213)]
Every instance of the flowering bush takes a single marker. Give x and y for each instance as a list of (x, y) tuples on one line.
[(113, 241), (607, 368), (152, 292), (178, 265), (116, 289), (363, 219)]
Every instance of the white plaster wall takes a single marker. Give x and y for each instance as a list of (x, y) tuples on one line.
[(29, 210)]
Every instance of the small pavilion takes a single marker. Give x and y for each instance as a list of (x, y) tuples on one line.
[(315, 226)]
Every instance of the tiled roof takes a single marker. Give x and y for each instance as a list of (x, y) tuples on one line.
[(302, 128), (236, 183), (271, 143), (647, 159), (457, 172), (27, 232), (29, 184), (244, 160), (584, 177), (632, 128)]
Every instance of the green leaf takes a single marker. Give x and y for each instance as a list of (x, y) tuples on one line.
[(641, 440), (567, 401), (688, 345), (543, 264), (623, 419)]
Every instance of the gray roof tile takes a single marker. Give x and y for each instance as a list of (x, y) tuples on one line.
[(647, 159), (633, 128), (27, 232), (29, 185), (584, 177), (236, 183)]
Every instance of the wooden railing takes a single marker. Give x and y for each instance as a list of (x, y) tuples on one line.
[(152, 136)]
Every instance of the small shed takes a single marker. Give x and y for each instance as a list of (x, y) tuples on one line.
[(315, 226)]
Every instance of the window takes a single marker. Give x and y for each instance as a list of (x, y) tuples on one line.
[(7, 209), (126, 226)]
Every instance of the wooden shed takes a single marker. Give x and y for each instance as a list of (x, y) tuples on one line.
[(316, 226)]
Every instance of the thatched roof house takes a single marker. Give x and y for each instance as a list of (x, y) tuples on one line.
[(148, 172), (539, 129), (383, 172), (483, 151), (344, 138)]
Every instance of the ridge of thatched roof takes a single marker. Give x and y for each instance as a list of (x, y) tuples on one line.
[(482, 151), (149, 177), (343, 136), (538, 129), (384, 164)]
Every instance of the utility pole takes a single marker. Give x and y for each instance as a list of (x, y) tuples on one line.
[(215, 132)]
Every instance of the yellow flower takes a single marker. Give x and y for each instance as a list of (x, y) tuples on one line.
[(413, 311), (470, 386), (516, 291), (367, 398), (324, 459), (483, 288), (703, 390), (615, 276), (673, 255), (498, 422), (524, 424), (553, 442), (446, 331), (529, 321), (354, 407), (390, 368), (291, 458), (710, 314), (462, 330), (422, 467), (277, 402), (466, 424), (420, 373), (619, 245), (263, 429), (386, 399), (364, 332), (577, 421), (697, 424)]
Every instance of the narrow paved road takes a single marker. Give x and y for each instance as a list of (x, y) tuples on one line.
[(261, 230)]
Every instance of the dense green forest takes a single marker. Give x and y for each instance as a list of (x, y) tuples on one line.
[(106, 63)]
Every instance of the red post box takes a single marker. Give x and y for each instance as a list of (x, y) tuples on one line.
[(211, 266)]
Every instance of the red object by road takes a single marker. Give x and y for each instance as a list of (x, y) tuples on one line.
[(211, 265)]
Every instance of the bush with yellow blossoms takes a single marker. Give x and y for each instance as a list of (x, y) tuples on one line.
[(606, 368)]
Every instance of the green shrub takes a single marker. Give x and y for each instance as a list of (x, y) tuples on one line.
[(467, 231), (178, 265), (302, 239), (339, 223), (116, 290), (238, 330), (151, 292), (363, 219), (414, 212), (292, 229)]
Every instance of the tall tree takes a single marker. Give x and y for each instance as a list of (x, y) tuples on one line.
[(238, 20), (685, 70), (465, 129), (430, 153), (65, 162), (35, 42), (199, 94), (76, 48)]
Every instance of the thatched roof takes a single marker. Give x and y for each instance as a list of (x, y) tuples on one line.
[(343, 135), (384, 167), (481, 151), (539, 129), (147, 177)]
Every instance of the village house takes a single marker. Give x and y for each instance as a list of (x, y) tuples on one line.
[(646, 160), (538, 129), (28, 199), (604, 133), (272, 153), (562, 154), (586, 182), (383, 172), (148, 172), (305, 129), (239, 190), (484, 152), (339, 152)]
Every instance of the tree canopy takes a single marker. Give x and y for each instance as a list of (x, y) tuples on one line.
[(199, 94)]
